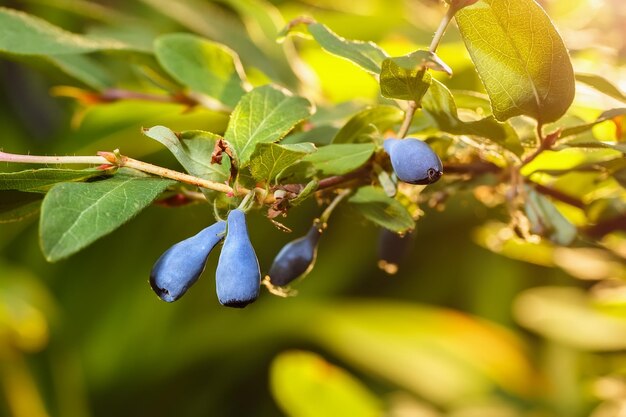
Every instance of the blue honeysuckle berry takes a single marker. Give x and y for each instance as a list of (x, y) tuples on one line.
[(238, 277), (413, 161), (181, 265), (295, 259)]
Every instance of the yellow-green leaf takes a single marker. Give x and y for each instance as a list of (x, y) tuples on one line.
[(520, 57)]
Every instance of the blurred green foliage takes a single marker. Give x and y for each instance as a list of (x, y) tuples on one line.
[(476, 323)]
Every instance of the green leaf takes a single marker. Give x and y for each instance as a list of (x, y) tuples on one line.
[(551, 312), (16, 206), (305, 385), (547, 220), (520, 58), (339, 159), (84, 69), (584, 142), (40, 180), (369, 124), (374, 204), (403, 82), (366, 55), (264, 115), (602, 85), (23, 34), (202, 65), (439, 104), (73, 215), (455, 355), (193, 149), (269, 159), (306, 192), (605, 116)]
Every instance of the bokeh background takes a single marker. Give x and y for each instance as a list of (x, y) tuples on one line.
[(459, 331)]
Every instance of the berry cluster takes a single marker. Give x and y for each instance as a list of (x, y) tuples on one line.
[(238, 276)]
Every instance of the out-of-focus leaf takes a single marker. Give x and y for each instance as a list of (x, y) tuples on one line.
[(269, 159), (193, 149), (83, 69), (74, 215), (366, 55), (305, 385), (547, 220), (566, 315), (584, 142), (339, 159), (369, 124), (442, 355), (23, 34), (602, 85), (25, 309), (40, 180), (401, 82), (202, 65), (264, 115), (16, 206), (439, 104), (589, 263), (520, 57), (501, 239), (374, 204), (607, 115)]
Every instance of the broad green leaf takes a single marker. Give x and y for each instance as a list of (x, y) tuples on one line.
[(40, 180), (546, 220), (366, 55), (264, 115), (16, 206), (567, 315), (369, 124), (520, 58), (202, 65), (374, 204), (339, 159), (23, 34), (74, 215), (439, 104), (208, 19), (457, 357), (602, 85), (193, 149), (269, 159), (406, 77), (84, 69), (305, 385), (605, 116), (403, 82)]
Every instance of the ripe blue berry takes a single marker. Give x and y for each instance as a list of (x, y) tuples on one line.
[(181, 265), (238, 276), (295, 259), (413, 161)]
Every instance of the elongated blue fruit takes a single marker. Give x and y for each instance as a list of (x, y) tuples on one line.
[(413, 161), (393, 249), (295, 259), (238, 276), (181, 265)]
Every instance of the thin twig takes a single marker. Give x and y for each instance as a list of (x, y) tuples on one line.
[(441, 30), (408, 118)]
